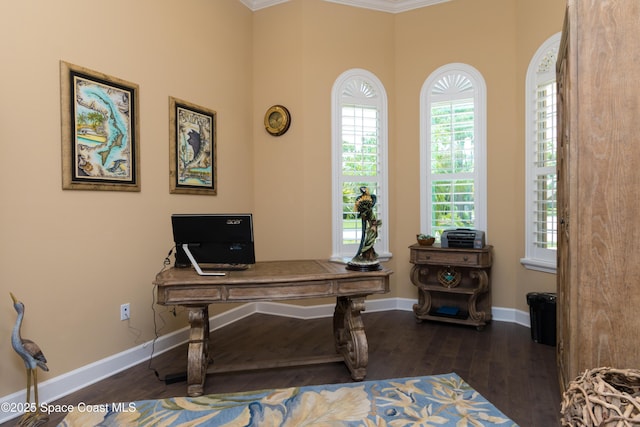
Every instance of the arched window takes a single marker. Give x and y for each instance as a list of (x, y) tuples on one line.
[(453, 150), (359, 158), (541, 132)]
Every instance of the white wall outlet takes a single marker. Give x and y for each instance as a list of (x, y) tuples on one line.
[(124, 312)]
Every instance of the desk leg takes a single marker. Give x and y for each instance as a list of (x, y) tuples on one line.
[(349, 335), (198, 357)]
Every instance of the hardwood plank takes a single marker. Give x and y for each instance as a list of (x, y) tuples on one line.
[(501, 362)]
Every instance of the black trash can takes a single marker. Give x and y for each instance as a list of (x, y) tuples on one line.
[(542, 311)]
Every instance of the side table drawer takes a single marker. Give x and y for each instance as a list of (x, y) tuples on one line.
[(444, 257)]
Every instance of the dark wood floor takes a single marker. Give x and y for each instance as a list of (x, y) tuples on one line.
[(501, 362)]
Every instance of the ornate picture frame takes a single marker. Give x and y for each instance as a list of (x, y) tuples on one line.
[(100, 131), (192, 149)]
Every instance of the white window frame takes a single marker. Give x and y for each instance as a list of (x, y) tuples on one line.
[(343, 252), (480, 138), (541, 68)]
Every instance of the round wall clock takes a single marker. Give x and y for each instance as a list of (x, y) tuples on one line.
[(277, 120)]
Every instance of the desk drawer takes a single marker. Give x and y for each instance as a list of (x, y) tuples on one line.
[(179, 295), (295, 290)]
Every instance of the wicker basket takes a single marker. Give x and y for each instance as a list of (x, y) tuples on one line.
[(603, 397), (425, 241)]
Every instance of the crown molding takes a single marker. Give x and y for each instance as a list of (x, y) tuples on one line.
[(261, 4), (389, 6)]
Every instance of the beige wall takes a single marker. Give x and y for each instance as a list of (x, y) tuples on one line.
[(301, 48), (498, 38), (96, 250), (74, 256), (536, 21)]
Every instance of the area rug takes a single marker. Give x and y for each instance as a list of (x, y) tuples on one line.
[(440, 400)]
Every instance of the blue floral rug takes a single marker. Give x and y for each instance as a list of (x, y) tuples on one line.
[(440, 400)]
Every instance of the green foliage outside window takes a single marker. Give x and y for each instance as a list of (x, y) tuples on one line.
[(452, 165), (360, 158)]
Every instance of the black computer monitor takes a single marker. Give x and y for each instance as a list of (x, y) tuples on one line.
[(215, 240)]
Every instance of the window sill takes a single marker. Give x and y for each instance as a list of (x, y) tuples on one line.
[(383, 257), (539, 265)]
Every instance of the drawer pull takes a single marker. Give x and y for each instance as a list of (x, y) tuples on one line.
[(466, 258)]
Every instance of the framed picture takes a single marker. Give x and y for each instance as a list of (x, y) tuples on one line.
[(192, 151), (100, 131)]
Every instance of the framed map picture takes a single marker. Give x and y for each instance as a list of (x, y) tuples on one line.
[(192, 149), (100, 131)]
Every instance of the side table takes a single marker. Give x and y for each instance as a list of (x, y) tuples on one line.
[(454, 284)]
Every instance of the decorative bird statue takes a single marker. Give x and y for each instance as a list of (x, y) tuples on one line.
[(33, 357)]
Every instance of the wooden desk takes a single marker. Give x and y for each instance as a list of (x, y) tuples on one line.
[(275, 281)]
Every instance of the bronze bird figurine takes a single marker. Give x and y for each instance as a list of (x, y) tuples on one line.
[(33, 358)]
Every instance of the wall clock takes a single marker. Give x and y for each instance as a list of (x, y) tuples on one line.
[(277, 120)]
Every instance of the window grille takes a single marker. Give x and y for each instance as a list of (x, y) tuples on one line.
[(359, 158), (541, 215), (453, 162), (545, 216)]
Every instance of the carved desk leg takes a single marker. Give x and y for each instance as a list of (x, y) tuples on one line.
[(349, 335), (198, 356)]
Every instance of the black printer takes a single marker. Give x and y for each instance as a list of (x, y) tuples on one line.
[(462, 238)]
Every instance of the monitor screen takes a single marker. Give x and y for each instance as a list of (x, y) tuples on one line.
[(215, 239)]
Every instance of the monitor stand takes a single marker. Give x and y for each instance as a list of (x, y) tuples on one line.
[(195, 264)]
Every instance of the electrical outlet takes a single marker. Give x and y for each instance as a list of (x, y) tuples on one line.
[(124, 312)]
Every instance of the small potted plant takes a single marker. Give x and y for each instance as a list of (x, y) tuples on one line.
[(425, 239)]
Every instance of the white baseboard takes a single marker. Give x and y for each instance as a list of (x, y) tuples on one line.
[(62, 385), (511, 315), (65, 384)]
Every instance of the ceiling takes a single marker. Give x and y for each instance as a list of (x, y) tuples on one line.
[(391, 6)]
